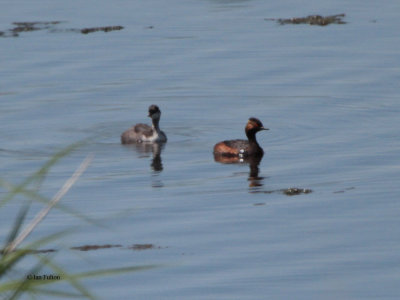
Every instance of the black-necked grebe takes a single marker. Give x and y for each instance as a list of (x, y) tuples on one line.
[(243, 148), (145, 133)]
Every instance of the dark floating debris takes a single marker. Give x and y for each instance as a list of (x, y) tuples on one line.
[(27, 27), (32, 26), (105, 29), (312, 20), (142, 247), (95, 247), (295, 191), (43, 251), (33, 251), (51, 27)]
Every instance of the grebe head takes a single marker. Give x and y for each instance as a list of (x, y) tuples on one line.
[(154, 112), (254, 125)]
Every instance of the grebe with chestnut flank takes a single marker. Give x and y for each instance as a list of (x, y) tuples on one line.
[(243, 148), (145, 133)]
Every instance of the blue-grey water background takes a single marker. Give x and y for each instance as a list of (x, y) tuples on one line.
[(330, 96)]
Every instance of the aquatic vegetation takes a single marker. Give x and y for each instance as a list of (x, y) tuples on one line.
[(105, 29), (293, 191), (14, 280), (312, 20), (296, 191), (51, 26)]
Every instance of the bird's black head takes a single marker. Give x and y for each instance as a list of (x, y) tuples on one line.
[(254, 124), (153, 109)]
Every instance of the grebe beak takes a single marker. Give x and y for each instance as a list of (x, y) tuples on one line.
[(263, 128)]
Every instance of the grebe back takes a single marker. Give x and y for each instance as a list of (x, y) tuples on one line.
[(243, 148), (145, 133)]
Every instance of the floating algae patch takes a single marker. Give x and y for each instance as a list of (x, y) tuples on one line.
[(104, 29), (20, 27), (312, 20), (143, 247), (28, 27), (95, 247), (293, 191), (132, 247)]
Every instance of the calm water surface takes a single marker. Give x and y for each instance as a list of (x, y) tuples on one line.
[(329, 95)]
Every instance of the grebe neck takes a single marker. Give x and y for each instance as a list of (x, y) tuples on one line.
[(156, 126), (251, 136)]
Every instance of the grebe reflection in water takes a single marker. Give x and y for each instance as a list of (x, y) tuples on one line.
[(252, 161), (155, 149)]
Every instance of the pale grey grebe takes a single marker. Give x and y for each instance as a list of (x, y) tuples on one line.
[(145, 133), (243, 148)]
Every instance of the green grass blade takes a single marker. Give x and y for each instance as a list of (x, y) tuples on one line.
[(39, 174), (8, 261), (19, 220), (115, 271), (46, 210), (24, 285), (30, 194), (56, 293), (72, 279)]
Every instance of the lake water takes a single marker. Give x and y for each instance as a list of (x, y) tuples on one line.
[(330, 96)]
